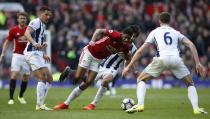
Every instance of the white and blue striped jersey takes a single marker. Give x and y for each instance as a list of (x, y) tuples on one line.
[(114, 61), (166, 39), (37, 35)]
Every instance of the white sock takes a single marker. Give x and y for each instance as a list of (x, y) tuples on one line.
[(40, 90), (141, 91), (74, 94), (110, 84), (47, 87), (99, 95), (193, 96)]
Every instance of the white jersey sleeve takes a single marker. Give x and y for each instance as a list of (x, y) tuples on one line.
[(150, 37), (35, 24), (180, 36)]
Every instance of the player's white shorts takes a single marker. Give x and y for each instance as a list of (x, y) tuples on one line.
[(35, 59), (19, 64), (172, 63), (104, 71), (87, 61)]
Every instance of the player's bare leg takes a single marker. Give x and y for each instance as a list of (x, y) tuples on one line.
[(89, 80), (141, 91), (192, 95), (79, 74), (102, 89)]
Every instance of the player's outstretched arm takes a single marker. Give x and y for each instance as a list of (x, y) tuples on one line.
[(137, 54), (135, 58), (28, 36), (127, 57), (97, 33), (199, 67), (4, 49)]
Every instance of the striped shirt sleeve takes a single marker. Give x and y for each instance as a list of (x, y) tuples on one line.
[(34, 24)]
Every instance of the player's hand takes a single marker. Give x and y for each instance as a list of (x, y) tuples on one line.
[(201, 70), (44, 45), (1, 58), (125, 71), (38, 46), (46, 58), (136, 73)]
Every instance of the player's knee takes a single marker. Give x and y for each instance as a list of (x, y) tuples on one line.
[(25, 79), (105, 83), (43, 77), (107, 79), (190, 84), (49, 78), (144, 77), (14, 76), (77, 77), (139, 80), (83, 86), (188, 81), (88, 83)]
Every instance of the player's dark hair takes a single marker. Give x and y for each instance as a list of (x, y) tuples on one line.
[(22, 14), (130, 30), (135, 29), (43, 8), (165, 17)]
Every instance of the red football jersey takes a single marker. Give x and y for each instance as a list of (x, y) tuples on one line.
[(110, 44), (19, 39)]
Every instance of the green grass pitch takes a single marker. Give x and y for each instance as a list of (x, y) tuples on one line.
[(159, 104)]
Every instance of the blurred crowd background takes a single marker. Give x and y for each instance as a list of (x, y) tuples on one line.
[(74, 22)]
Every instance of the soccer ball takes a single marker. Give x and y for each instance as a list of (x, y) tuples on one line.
[(127, 103)]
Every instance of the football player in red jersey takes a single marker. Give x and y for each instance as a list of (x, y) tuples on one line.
[(112, 42), (18, 64)]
